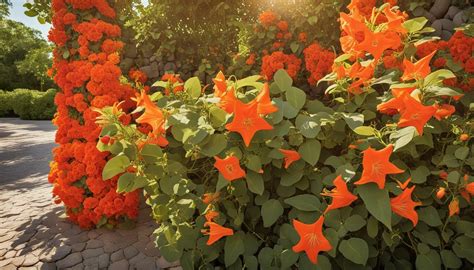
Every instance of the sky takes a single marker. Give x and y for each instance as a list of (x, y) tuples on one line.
[(17, 13)]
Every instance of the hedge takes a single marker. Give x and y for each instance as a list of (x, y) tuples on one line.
[(28, 104)]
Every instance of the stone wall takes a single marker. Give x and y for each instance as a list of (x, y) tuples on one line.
[(444, 17)]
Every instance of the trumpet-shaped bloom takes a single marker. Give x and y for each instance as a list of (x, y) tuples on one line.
[(247, 121), (444, 111), (417, 70), (290, 156), (415, 114), (312, 240), (220, 84), (404, 206), (228, 101), (264, 102), (341, 196), (377, 43), (152, 115), (216, 232), (229, 167), (376, 166)]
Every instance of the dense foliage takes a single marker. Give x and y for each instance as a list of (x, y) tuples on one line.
[(375, 172), (24, 56), (28, 104), (85, 69)]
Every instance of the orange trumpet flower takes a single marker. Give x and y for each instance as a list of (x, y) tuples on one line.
[(376, 166), (290, 156), (216, 232), (312, 240), (247, 121), (341, 196), (229, 168), (404, 206), (264, 102), (417, 70), (415, 114)]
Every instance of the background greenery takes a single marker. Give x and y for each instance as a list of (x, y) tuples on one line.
[(28, 104), (24, 55)]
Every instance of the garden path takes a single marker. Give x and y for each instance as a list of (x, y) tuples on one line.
[(33, 231)]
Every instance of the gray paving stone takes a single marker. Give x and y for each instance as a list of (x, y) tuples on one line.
[(30, 260), (70, 260), (145, 264), (104, 260), (89, 253), (78, 247), (120, 265), (130, 252), (94, 243), (117, 256)]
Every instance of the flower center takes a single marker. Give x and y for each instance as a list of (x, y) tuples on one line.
[(229, 168), (247, 122), (377, 168), (312, 239)]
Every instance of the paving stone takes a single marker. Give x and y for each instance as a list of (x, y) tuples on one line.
[(151, 250), (78, 247), (56, 254), (104, 260), (117, 256), (30, 260), (3, 252), (78, 266), (9, 254), (145, 264), (5, 262), (93, 234), (130, 252), (94, 243), (46, 266), (92, 263), (89, 253), (9, 267), (18, 261), (27, 268), (70, 260), (120, 265)]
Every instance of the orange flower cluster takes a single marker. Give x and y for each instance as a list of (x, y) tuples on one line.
[(175, 83), (318, 62), (279, 60), (88, 78), (137, 75), (267, 18)]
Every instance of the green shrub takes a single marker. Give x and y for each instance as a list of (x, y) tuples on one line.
[(28, 104), (6, 108)]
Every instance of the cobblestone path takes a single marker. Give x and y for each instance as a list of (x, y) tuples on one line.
[(33, 231)]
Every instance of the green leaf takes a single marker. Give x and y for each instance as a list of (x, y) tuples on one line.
[(419, 175), (125, 182), (377, 203), (271, 211), (295, 97), (307, 125), (283, 80), (218, 116), (304, 202), (310, 151), (288, 258), (354, 223), (193, 87), (353, 120), (365, 131), (115, 166), (403, 137), (355, 250), (415, 24), (151, 150), (442, 91), (429, 261), (462, 152), (255, 182), (438, 76), (234, 247), (450, 260), (430, 216), (453, 177), (291, 178), (372, 227), (294, 46), (216, 144)]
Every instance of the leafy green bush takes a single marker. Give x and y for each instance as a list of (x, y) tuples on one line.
[(28, 104)]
